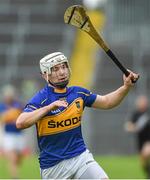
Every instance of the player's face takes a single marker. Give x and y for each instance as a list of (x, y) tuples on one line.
[(59, 73)]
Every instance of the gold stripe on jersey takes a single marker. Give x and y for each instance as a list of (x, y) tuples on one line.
[(68, 119)]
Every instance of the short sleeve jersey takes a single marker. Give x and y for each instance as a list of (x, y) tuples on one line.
[(59, 132)]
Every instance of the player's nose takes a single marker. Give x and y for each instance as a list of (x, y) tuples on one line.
[(61, 71)]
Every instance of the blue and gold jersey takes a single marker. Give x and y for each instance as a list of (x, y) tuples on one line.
[(59, 131)]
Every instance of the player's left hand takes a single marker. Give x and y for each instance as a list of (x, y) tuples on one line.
[(131, 79)]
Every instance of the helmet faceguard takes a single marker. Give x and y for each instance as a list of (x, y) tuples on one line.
[(50, 61)]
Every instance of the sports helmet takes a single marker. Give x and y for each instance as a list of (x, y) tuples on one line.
[(51, 60)]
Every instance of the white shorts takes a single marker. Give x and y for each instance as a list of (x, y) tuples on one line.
[(75, 168), (12, 141)]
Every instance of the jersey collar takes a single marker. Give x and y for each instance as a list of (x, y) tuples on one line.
[(55, 90), (60, 90)]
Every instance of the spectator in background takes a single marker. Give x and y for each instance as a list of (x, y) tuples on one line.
[(139, 123), (13, 139)]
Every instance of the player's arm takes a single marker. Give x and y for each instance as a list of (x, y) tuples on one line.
[(27, 119), (114, 98)]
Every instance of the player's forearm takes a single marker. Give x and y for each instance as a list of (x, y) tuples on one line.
[(115, 98), (27, 119), (112, 99)]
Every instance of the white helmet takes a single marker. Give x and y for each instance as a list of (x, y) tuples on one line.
[(51, 60)]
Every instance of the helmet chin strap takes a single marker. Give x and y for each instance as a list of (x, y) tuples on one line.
[(60, 85)]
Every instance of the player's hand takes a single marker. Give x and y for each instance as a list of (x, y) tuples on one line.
[(58, 103), (131, 79)]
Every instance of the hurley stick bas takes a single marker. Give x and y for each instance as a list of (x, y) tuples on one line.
[(76, 16)]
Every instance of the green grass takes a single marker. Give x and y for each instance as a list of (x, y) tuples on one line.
[(117, 167), (121, 167), (28, 170)]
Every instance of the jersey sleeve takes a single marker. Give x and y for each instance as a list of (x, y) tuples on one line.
[(87, 96)]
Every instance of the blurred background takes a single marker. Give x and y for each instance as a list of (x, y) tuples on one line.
[(31, 29)]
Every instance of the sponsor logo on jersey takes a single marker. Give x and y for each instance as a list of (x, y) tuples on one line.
[(55, 111), (63, 123), (65, 120)]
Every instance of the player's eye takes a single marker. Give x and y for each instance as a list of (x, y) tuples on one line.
[(54, 69), (63, 66)]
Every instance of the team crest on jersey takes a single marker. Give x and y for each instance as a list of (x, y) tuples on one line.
[(78, 104)]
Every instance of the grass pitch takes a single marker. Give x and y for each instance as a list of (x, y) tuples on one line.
[(117, 167), (121, 167)]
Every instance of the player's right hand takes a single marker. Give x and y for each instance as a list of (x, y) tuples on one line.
[(58, 103)]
